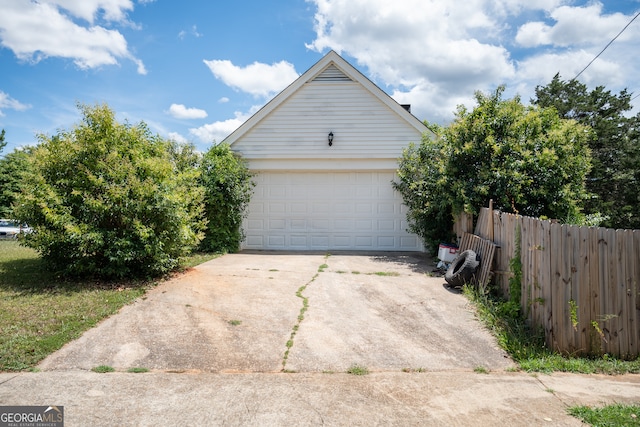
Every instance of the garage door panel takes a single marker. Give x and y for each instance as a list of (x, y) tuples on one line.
[(298, 224), (276, 208), (386, 225), (343, 224), (276, 241), (343, 208), (319, 242), (320, 224), (299, 241), (320, 208), (277, 191), (298, 208), (327, 210), (364, 208), (364, 225), (342, 242), (386, 242), (364, 242), (277, 224), (255, 225)]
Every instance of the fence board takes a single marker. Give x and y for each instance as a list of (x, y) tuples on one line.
[(620, 294), (584, 290), (545, 276), (628, 346), (596, 296), (557, 291), (581, 286), (608, 326), (635, 300), (567, 284)]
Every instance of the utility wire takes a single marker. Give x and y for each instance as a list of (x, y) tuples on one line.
[(608, 44)]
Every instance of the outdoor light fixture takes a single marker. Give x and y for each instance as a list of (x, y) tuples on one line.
[(330, 137)]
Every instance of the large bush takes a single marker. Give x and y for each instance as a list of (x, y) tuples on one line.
[(111, 200), (228, 189), (527, 159)]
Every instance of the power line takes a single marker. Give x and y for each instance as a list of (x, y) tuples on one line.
[(608, 44)]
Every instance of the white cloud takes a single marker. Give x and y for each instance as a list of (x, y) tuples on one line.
[(8, 103), (436, 54), (113, 10), (37, 30), (179, 111), (574, 26), (223, 100), (258, 79), (218, 131)]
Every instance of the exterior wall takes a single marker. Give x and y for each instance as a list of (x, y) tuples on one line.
[(366, 133)]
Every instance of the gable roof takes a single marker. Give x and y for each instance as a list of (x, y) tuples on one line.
[(332, 67)]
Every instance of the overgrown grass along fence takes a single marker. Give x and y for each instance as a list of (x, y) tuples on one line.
[(580, 284)]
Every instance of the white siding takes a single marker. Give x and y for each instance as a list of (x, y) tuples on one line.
[(363, 127)]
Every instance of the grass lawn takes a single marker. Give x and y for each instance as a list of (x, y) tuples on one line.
[(39, 313)]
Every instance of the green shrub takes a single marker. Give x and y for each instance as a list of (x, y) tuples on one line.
[(110, 200), (228, 189), (526, 159)]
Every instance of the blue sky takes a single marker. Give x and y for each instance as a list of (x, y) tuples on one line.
[(195, 70)]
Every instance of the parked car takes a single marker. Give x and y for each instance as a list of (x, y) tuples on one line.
[(9, 229)]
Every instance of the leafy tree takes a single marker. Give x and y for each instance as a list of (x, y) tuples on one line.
[(613, 179), (12, 168), (228, 190), (526, 159), (109, 199)]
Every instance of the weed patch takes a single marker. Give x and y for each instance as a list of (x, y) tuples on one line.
[(480, 370), (356, 369), (611, 415), (137, 370), (103, 369), (386, 273)]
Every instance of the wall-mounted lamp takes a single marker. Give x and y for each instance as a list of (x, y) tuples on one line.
[(330, 138)]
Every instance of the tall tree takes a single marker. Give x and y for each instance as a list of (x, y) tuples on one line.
[(613, 178)]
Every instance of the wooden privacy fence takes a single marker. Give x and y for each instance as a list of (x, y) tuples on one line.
[(580, 284)]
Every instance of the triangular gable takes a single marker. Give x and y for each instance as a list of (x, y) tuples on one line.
[(332, 67)]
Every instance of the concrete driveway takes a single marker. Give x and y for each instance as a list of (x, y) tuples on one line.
[(268, 312), (216, 337)]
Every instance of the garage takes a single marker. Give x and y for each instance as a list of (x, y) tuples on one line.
[(327, 210), (323, 153)]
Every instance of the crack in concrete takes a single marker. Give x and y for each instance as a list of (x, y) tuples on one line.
[(305, 307), (11, 378), (550, 390)]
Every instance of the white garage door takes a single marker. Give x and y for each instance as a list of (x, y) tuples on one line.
[(327, 210)]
